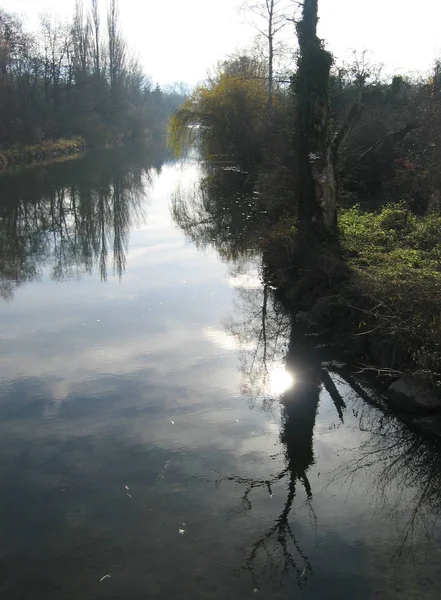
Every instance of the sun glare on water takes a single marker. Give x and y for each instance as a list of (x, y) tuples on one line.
[(280, 381)]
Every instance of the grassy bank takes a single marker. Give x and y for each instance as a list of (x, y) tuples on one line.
[(44, 152), (377, 290)]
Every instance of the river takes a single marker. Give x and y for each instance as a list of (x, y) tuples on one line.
[(165, 431)]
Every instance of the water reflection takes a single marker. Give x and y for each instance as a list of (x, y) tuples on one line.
[(403, 469), (222, 209), (279, 348), (136, 386), (69, 217), (282, 366), (396, 470)]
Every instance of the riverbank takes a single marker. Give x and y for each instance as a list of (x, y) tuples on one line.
[(47, 151), (376, 291)]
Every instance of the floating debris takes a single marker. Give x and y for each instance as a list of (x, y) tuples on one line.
[(161, 473), (129, 495), (256, 590), (172, 422), (181, 531), (303, 572), (127, 487), (105, 577)]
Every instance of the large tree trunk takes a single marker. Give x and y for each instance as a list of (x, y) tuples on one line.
[(326, 188), (315, 155)]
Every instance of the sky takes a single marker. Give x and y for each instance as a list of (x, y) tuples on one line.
[(180, 40)]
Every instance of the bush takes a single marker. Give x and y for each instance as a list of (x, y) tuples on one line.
[(395, 262)]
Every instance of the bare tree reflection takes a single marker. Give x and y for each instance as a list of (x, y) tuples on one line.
[(270, 343), (221, 210), (262, 331), (70, 217), (396, 462), (224, 212), (401, 467)]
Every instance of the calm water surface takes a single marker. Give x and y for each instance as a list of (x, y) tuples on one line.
[(164, 431)]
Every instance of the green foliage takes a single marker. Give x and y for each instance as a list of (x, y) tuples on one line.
[(395, 284), (227, 115), (392, 242)]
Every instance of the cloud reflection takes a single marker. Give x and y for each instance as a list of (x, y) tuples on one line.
[(225, 340)]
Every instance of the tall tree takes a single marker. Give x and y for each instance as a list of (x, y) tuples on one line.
[(269, 17), (81, 41), (74, 78), (315, 176), (316, 144), (116, 51), (96, 35)]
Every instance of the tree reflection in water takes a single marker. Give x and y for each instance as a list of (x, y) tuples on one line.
[(402, 469), (277, 344), (224, 212), (70, 216), (228, 218)]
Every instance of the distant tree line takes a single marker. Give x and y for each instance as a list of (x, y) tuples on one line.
[(76, 78)]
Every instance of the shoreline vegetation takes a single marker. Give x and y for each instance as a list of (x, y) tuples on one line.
[(343, 163), (44, 153), (62, 149)]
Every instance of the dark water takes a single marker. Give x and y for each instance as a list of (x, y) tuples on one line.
[(163, 423)]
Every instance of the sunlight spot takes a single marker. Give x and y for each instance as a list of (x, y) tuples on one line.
[(280, 381)]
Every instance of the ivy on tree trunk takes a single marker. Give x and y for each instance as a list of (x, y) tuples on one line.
[(315, 152)]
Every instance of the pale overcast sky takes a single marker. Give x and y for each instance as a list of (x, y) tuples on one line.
[(179, 40)]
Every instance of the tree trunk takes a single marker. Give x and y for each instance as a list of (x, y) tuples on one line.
[(270, 57), (96, 25), (326, 188), (315, 155), (270, 73)]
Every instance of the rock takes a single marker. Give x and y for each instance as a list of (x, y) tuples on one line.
[(411, 394), (430, 426)]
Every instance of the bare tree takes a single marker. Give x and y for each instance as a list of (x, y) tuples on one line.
[(81, 39), (55, 37), (116, 50), (96, 35), (65, 79), (269, 17)]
